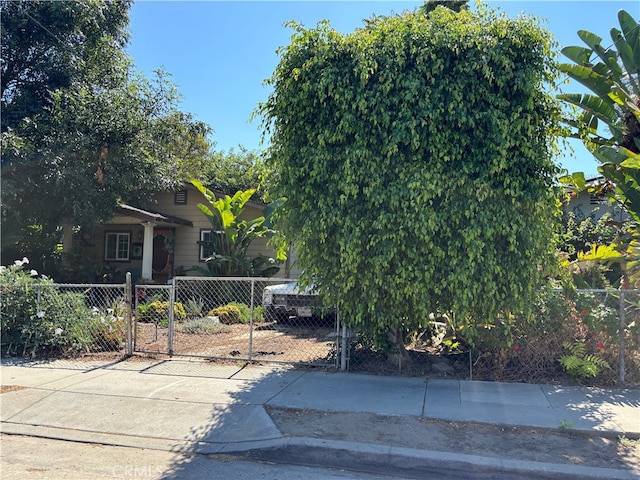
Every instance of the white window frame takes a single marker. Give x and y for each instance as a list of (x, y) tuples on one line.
[(201, 252), (122, 246)]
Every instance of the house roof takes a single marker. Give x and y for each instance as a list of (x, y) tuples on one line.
[(150, 216)]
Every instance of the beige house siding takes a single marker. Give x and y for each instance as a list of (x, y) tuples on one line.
[(93, 242), (187, 250), (165, 216)]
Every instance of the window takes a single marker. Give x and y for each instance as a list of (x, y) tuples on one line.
[(116, 246), (207, 239), (181, 197)]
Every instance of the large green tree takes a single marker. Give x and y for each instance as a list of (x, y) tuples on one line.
[(455, 5), (80, 130), (233, 170), (416, 155), (51, 45)]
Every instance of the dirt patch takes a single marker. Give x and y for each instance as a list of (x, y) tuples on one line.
[(571, 448), (270, 341), (10, 388)]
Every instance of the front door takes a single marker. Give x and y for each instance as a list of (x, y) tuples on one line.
[(162, 254)]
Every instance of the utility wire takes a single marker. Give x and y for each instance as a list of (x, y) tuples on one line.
[(63, 44), (567, 77)]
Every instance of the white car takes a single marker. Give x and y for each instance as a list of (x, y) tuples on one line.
[(287, 300)]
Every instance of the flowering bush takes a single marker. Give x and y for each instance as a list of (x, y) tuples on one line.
[(599, 313), (109, 328), (18, 303), (527, 347), (60, 325), (37, 319)]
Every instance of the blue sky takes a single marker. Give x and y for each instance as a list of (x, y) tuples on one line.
[(219, 52)]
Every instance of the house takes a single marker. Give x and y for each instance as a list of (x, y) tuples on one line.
[(157, 243), (594, 203)]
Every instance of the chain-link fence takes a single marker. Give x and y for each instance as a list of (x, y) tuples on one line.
[(47, 319), (151, 319), (568, 335), (236, 318), (578, 334)]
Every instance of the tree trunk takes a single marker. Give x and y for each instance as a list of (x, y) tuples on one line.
[(398, 355)]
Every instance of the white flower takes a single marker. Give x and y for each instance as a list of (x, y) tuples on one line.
[(44, 277), (58, 331), (95, 310), (33, 273), (2, 268), (40, 314), (22, 262)]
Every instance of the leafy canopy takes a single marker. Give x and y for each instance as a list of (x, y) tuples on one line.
[(612, 77), (235, 170), (608, 119), (608, 122), (455, 5), (51, 45), (416, 155), (80, 130)]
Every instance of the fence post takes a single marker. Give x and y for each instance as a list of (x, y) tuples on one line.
[(621, 333), (338, 342), (343, 346), (253, 285), (172, 297), (128, 313)]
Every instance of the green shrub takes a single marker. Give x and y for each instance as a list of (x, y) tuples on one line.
[(109, 329), (37, 319), (62, 324), (580, 364), (245, 312), (158, 311), (258, 314), (600, 313), (18, 305), (194, 307), (228, 314)]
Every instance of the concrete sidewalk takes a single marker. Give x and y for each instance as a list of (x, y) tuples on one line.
[(209, 408)]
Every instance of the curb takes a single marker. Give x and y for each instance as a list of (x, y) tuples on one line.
[(412, 463), (351, 456)]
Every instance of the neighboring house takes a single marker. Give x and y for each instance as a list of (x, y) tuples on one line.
[(157, 243), (587, 204)]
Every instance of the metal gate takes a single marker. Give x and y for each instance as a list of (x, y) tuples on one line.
[(225, 318)]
